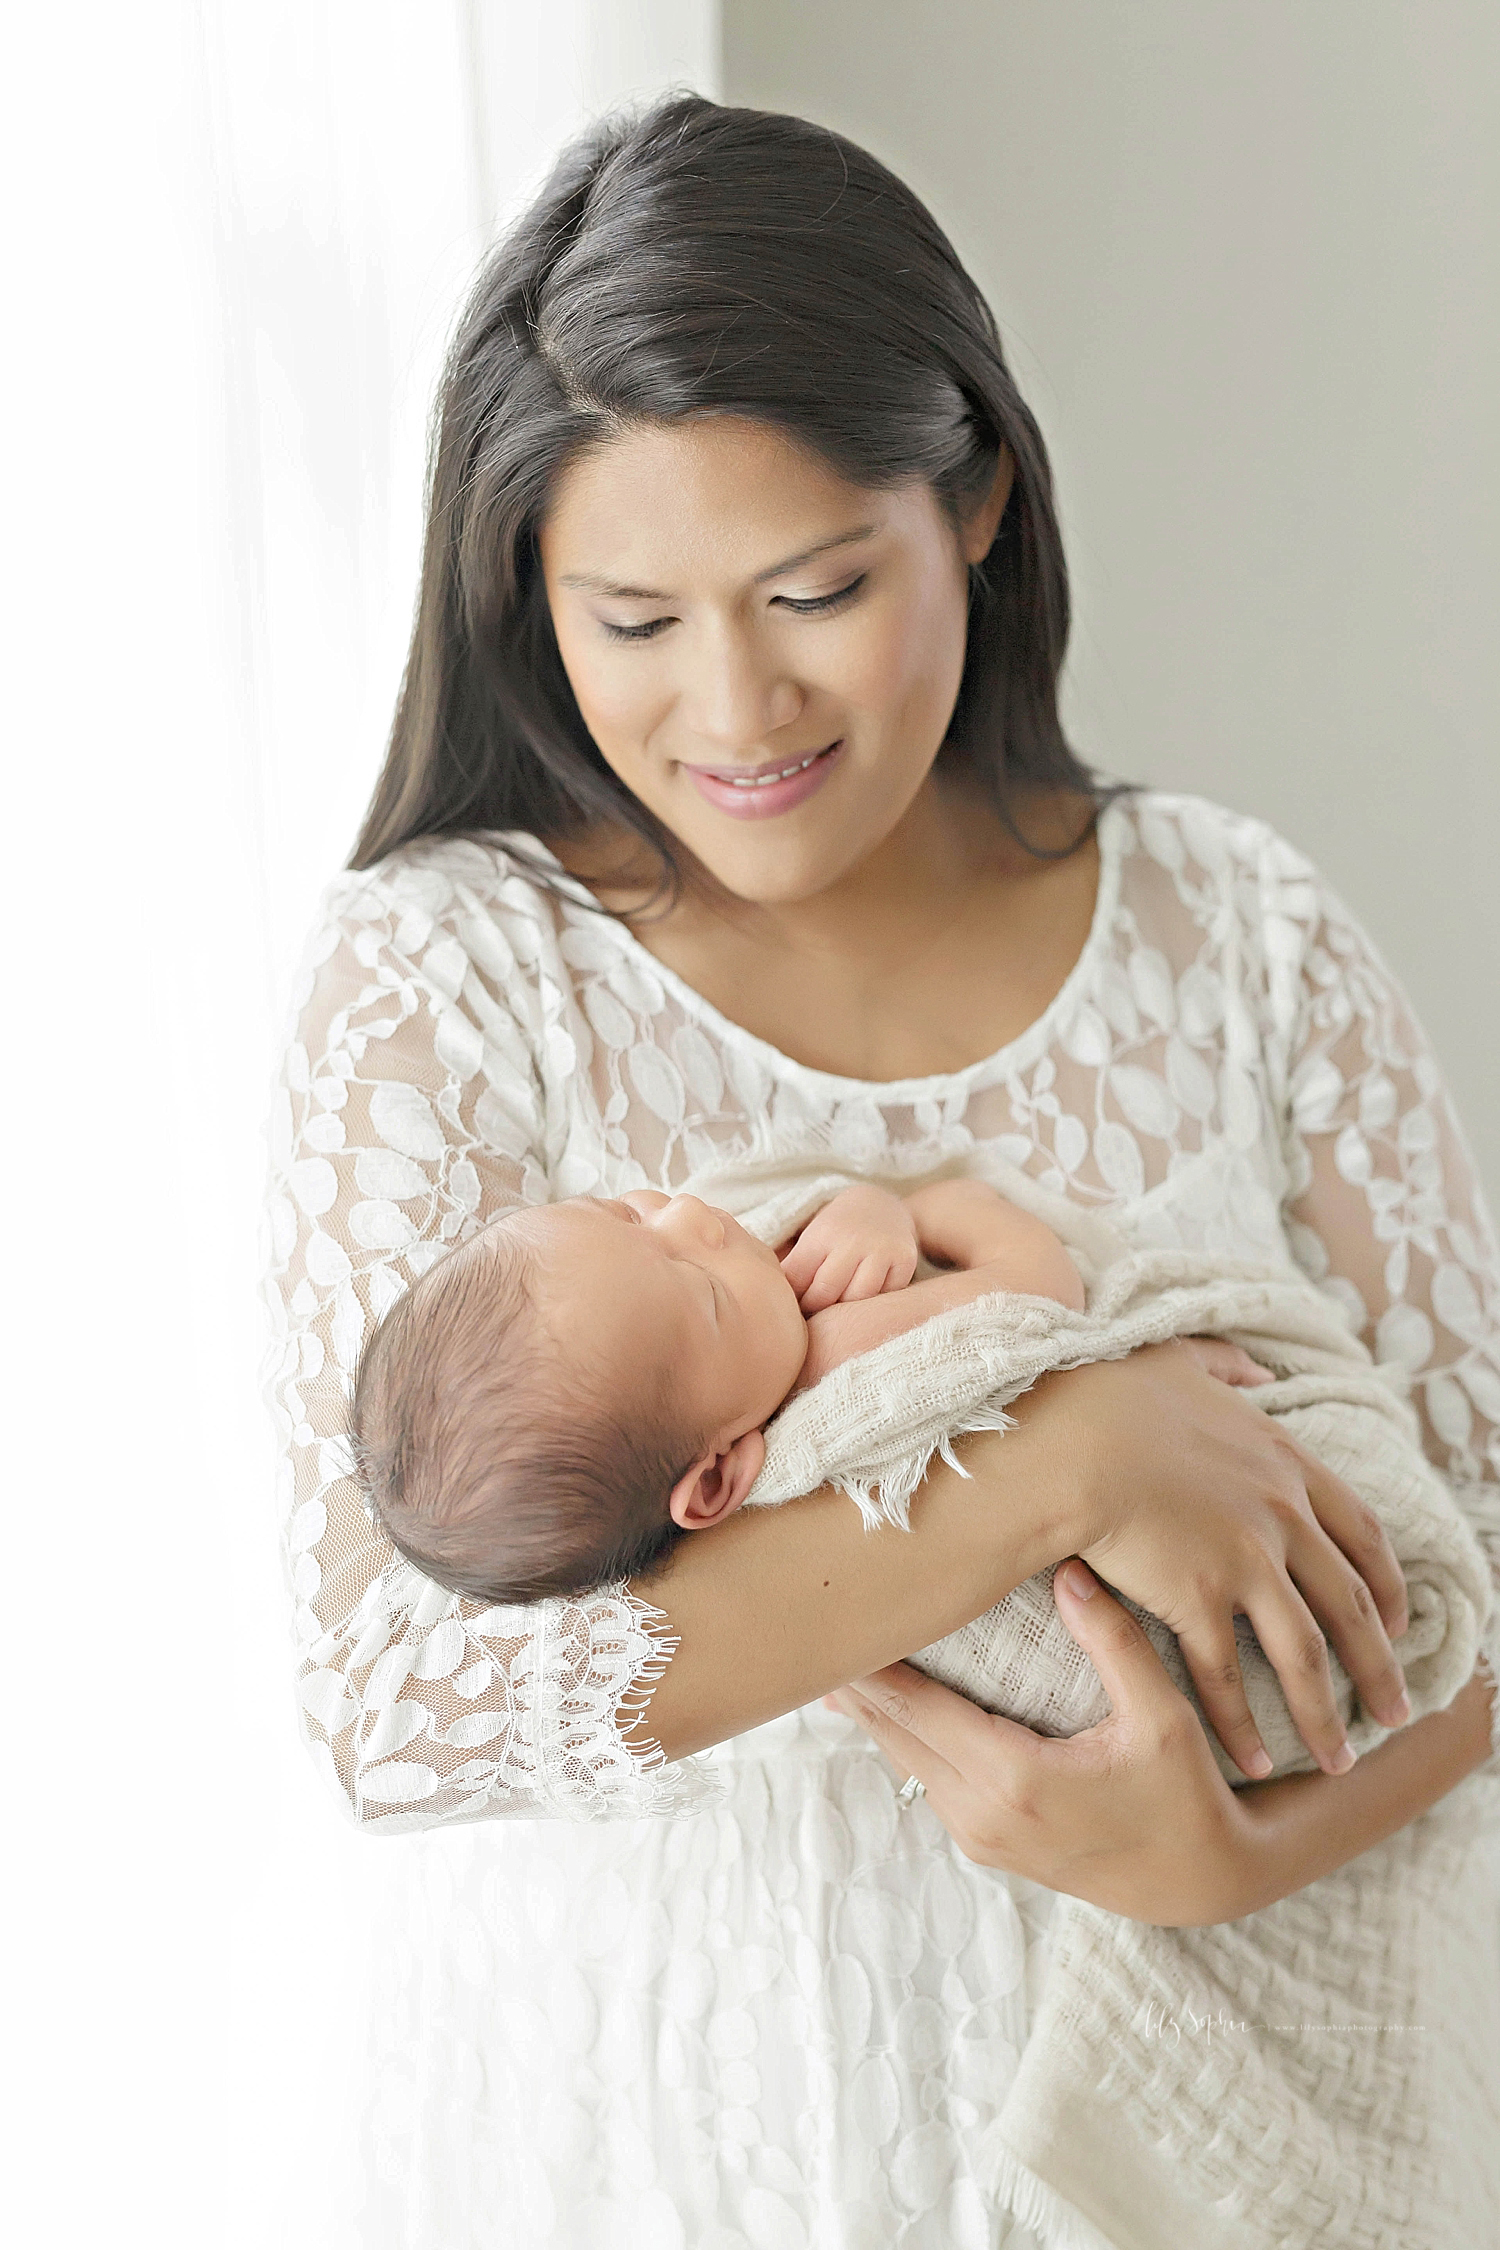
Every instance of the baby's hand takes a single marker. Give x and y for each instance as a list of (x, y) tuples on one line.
[(861, 1244)]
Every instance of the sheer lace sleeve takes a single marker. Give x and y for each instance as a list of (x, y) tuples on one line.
[(417, 1098), (1386, 1211)]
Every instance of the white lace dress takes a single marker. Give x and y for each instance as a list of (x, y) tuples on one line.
[(783, 2016)]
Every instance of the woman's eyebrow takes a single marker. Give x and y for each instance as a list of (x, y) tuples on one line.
[(590, 585), (794, 562)]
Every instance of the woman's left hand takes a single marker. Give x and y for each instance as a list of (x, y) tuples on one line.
[(1132, 1815)]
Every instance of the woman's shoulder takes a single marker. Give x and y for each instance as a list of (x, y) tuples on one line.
[(499, 902), (1196, 837), (443, 926), (1187, 866), (1224, 899), (507, 871)]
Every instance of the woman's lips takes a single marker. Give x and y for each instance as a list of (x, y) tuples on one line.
[(763, 798)]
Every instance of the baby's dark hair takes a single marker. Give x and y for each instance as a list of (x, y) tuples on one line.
[(488, 1460)]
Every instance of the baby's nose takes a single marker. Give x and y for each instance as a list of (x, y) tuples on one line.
[(696, 1219)]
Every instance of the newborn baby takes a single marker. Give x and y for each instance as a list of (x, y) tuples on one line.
[(552, 1406)]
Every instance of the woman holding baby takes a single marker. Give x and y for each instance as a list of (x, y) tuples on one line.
[(727, 802)]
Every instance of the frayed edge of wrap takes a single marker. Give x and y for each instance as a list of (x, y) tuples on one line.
[(887, 1498), (1057, 2224)]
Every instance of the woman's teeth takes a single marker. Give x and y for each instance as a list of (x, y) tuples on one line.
[(764, 780)]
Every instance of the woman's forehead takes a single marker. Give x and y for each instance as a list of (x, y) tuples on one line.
[(719, 492)]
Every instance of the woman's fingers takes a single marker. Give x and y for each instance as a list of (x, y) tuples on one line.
[(1347, 1574), (1092, 1815), (1343, 1604), (1227, 1363), (1358, 1532), (1298, 1654), (877, 1705), (1135, 1679), (913, 1717), (1212, 1656)]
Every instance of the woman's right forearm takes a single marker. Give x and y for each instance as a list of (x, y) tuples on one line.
[(1164, 1480), (780, 1605)]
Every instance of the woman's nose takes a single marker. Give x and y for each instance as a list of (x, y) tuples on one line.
[(736, 697)]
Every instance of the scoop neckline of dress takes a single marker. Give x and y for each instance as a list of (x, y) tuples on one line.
[(1016, 1053)]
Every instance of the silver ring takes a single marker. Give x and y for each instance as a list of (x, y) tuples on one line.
[(910, 1791)]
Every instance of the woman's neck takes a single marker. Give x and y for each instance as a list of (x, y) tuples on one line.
[(950, 843), (938, 949)]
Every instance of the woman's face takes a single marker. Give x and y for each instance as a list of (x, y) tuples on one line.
[(767, 656)]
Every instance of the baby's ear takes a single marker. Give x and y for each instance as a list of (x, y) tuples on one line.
[(716, 1483)]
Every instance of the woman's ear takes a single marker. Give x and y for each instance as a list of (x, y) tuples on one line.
[(716, 1483), (983, 520)]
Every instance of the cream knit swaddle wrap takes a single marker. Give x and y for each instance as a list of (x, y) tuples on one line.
[(1319, 2113), (874, 1424)]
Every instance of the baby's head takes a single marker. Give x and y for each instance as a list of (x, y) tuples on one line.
[(548, 1408)]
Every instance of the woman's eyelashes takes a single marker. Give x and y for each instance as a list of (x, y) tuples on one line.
[(633, 632), (818, 605)]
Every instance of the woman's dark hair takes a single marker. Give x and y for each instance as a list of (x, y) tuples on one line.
[(699, 260)]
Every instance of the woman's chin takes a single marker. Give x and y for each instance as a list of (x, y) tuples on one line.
[(776, 862), (791, 878)]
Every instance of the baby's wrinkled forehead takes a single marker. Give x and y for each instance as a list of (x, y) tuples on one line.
[(561, 1243), (540, 1226)]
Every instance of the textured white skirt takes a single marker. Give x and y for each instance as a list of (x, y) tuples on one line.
[(780, 2024)]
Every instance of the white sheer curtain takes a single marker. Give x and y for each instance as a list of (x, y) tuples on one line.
[(239, 232)]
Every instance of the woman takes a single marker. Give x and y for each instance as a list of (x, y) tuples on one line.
[(726, 792)]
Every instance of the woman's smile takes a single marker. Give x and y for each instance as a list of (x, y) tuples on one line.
[(760, 792)]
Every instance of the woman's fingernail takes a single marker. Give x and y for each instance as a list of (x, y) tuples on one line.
[(1079, 1579), (1342, 1759), (1258, 1764), (1399, 1712)]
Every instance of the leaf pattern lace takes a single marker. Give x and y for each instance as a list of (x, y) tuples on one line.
[(1230, 1066)]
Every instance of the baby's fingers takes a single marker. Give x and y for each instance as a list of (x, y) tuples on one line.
[(903, 1265), (829, 1283), (801, 1262), (873, 1276)]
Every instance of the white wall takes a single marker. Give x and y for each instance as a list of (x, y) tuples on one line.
[(1246, 258)]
